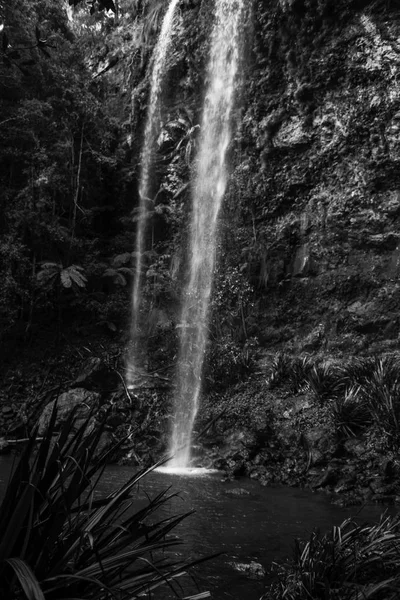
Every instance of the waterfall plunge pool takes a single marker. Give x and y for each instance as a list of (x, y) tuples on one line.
[(241, 519)]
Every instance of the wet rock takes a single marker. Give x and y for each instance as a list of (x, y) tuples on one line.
[(379, 487), (389, 470), (355, 447), (220, 464), (96, 375), (262, 458), (329, 477), (235, 465), (81, 398), (116, 420), (317, 458), (237, 492), (383, 499), (5, 447), (252, 570), (346, 484)]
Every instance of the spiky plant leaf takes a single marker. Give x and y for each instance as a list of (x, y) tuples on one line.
[(27, 579), (98, 549)]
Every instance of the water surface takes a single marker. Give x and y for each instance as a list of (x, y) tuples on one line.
[(259, 525)]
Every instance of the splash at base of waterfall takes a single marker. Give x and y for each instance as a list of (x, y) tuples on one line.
[(186, 471)]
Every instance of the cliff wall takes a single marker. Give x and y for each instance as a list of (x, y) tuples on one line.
[(315, 188)]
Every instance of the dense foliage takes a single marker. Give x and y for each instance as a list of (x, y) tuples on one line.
[(58, 159)]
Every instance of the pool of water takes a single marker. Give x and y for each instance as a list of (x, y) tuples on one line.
[(258, 525)]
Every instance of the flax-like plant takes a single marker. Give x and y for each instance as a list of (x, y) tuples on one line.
[(382, 394), (350, 562), (58, 540), (351, 412), (300, 368), (324, 381), (279, 369)]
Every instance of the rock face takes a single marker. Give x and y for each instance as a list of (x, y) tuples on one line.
[(320, 174), (96, 375), (79, 398)]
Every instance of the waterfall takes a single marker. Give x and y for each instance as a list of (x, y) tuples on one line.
[(159, 60), (207, 194)]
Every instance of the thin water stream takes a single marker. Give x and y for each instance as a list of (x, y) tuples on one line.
[(208, 192), (146, 203), (258, 525)]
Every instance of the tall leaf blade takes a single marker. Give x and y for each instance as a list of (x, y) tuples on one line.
[(27, 579)]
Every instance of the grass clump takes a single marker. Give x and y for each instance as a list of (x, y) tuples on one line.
[(350, 562), (58, 540)]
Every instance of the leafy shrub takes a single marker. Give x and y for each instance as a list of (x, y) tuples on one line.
[(59, 541), (351, 562)]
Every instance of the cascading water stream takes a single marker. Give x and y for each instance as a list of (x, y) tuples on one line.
[(208, 191), (159, 59)]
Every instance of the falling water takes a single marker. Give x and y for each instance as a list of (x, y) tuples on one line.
[(208, 191), (159, 59)]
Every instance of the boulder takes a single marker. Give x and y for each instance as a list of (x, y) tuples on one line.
[(252, 570), (237, 492), (329, 478), (96, 375), (355, 447), (78, 397)]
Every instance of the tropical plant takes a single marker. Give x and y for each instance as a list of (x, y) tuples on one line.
[(120, 272), (60, 539), (51, 274), (350, 562)]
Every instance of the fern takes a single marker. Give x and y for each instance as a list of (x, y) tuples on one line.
[(52, 273)]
